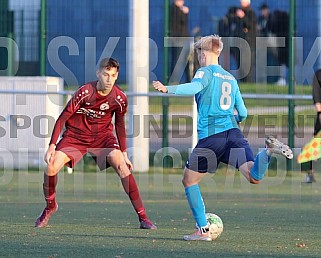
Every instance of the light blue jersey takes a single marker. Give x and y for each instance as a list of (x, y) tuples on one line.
[(217, 95)]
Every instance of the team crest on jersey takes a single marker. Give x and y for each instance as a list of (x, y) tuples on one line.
[(199, 75), (104, 106)]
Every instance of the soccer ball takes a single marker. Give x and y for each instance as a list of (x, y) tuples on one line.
[(216, 225)]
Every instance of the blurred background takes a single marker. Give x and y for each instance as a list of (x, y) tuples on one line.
[(65, 39), (33, 24)]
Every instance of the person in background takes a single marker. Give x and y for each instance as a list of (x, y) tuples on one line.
[(248, 18), (264, 25), (280, 28), (230, 28), (180, 42), (264, 29), (316, 94)]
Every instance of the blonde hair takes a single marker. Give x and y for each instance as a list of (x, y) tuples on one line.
[(212, 43)]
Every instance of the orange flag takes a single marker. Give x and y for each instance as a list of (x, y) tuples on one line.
[(312, 150)]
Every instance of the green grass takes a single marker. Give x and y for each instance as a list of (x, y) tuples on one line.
[(278, 218)]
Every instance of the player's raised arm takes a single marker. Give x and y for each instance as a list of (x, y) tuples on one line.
[(187, 89)]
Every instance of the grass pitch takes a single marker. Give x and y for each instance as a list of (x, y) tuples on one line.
[(278, 218)]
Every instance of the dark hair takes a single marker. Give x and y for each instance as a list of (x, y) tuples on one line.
[(264, 6), (108, 63)]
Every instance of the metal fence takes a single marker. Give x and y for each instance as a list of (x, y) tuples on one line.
[(269, 119)]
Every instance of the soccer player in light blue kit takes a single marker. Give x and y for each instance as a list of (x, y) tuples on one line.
[(220, 108)]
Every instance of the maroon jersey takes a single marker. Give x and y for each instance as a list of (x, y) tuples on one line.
[(88, 115)]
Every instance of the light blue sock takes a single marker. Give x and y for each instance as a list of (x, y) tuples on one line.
[(196, 203), (261, 165)]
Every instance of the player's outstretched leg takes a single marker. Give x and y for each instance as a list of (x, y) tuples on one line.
[(131, 188), (49, 190), (263, 158), (274, 146)]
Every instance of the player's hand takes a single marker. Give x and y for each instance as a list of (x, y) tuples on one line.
[(240, 13), (236, 114), (185, 9), (127, 161), (50, 153), (159, 86)]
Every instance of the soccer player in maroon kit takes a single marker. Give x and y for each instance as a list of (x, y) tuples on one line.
[(87, 119)]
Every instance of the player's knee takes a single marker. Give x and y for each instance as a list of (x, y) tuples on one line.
[(122, 170), (187, 183), (51, 170)]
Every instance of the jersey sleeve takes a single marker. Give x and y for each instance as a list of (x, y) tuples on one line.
[(188, 89), (120, 123), (199, 82), (240, 106), (72, 106)]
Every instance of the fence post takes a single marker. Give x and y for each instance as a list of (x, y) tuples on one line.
[(42, 39), (165, 100), (291, 78), (138, 81), (11, 61)]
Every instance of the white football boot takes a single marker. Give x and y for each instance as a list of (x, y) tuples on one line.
[(275, 146)]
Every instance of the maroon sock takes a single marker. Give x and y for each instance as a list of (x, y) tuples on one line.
[(49, 189), (130, 187)]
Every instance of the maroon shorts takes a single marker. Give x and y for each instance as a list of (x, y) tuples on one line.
[(99, 148)]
